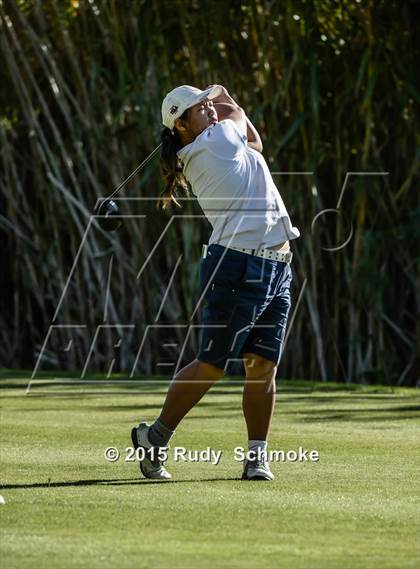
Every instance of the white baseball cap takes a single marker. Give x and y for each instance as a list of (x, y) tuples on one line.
[(182, 98)]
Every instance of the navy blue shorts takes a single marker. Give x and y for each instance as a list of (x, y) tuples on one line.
[(246, 306)]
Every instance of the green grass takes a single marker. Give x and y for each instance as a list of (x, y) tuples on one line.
[(67, 507)]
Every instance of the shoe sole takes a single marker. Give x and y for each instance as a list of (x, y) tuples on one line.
[(136, 446), (244, 477), (257, 477)]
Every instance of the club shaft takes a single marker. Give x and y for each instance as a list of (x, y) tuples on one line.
[(139, 167)]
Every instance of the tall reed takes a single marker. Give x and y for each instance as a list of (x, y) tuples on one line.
[(329, 86)]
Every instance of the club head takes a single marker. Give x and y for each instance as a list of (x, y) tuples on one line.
[(108, 215)]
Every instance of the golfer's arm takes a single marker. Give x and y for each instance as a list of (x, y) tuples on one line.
[(254, 139), (230, 110)]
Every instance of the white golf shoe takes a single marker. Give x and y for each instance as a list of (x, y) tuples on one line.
[(151, 466), (257, 470)]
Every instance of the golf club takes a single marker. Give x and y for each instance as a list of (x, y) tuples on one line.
[(107, 211)]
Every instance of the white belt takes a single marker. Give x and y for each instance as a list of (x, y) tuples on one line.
[(264, 253)]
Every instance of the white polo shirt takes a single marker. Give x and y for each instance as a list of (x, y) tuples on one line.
[(235, 190)]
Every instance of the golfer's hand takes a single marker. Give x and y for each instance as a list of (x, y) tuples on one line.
[(216, 85), (224, 97)]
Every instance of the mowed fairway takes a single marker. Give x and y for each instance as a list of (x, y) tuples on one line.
[(66, 506)]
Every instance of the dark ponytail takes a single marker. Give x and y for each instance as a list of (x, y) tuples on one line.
[(171, 168)]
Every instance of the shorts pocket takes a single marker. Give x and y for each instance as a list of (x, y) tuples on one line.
[(204, 272)]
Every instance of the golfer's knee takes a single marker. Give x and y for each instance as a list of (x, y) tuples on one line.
[(257, 366)]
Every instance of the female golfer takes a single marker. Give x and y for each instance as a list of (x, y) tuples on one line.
[(210, 144)]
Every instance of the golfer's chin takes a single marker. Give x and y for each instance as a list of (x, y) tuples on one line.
[(211, 123)]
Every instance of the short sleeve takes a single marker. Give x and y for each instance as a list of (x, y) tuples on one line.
[(225, 139)]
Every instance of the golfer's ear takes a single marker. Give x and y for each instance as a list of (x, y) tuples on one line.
[(179, 125)]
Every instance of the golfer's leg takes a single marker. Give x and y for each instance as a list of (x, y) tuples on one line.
[(259, 395), (186, 389)]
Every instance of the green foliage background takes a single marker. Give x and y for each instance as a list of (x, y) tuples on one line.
[(332, 88)]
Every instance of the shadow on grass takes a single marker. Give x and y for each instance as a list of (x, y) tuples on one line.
[(16, 381), (113, 408), (359, 415), (309, 410), (109, 482)]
